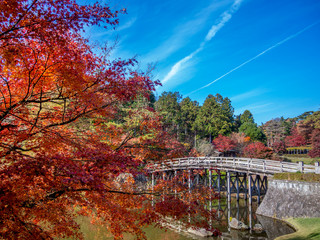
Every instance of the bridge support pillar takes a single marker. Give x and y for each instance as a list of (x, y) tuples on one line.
[(228, 186), (229, 215), (189, 180), (152, 188), (175, 180), (210, 179), (219, 182), (152, 181), (250, 217), (245, 186), (258, 187), (237, 186), (250, 189)]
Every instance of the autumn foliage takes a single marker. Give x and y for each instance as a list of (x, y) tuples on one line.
[(257, 150), (68, 127), (315, 139), (279, 147), (224, 143), (295, 139)]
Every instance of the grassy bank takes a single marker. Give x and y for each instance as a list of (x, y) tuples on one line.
[(301, 157), (304, 177), (307, 229)]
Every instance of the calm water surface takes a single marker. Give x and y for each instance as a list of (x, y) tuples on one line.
[(240, 210)]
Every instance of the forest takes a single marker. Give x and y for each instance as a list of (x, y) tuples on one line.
[(213, 126), (72, 122)]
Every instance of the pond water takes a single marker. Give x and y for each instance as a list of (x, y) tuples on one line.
[(240, 210)]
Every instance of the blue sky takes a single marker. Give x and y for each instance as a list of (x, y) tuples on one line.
[(262, 54)]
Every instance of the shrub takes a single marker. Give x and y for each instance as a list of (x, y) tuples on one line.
[(223, 144), (257, 150), (205, 148)]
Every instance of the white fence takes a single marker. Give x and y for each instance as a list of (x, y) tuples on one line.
[(269, 167)]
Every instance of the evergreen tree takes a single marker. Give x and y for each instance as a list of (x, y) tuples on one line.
[(169, 108), (246, 117), (189, 111), (251, 130), (215, 117)]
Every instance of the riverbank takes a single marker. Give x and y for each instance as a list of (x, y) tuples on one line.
[(306, 229), (295, 202), (291, 199)]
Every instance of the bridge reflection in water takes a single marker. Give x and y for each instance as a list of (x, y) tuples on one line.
[(241, 177), (244, 212)]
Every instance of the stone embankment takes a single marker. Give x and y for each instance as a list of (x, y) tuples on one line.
[(285, 199)]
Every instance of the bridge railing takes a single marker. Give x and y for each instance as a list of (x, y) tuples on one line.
[(236, 164)]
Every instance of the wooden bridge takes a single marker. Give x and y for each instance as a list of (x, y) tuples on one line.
[(230, 174)]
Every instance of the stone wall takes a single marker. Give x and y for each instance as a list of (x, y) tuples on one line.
[(286, 199)]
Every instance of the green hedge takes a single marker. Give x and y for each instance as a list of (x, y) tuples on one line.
[(300, 148)]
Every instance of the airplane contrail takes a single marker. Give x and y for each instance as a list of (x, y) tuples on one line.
[(255, 57)]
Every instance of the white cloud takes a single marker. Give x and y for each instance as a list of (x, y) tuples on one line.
[(255, 108), (177, 67), (247, 95), (183, 31), (224, 18), (97, 33), (127, 25)]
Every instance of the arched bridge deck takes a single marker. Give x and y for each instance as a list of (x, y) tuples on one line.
[(243, 165), (230, 174)]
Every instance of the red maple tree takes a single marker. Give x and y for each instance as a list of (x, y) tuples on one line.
[(295, 139), (279, 147), (224, 143), (315, 140), (257, 150), (63, 141)]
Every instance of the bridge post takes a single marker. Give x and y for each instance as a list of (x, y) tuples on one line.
[(250, 189), (317, 168), (189, 180), (250, 217), (229, 215), (219, 181), (237, 186), (245, 186), (301, 167), (152, 185), (210, 179), (228, 186), (175, 180)]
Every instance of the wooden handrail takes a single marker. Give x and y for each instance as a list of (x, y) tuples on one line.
[(265, 166)]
